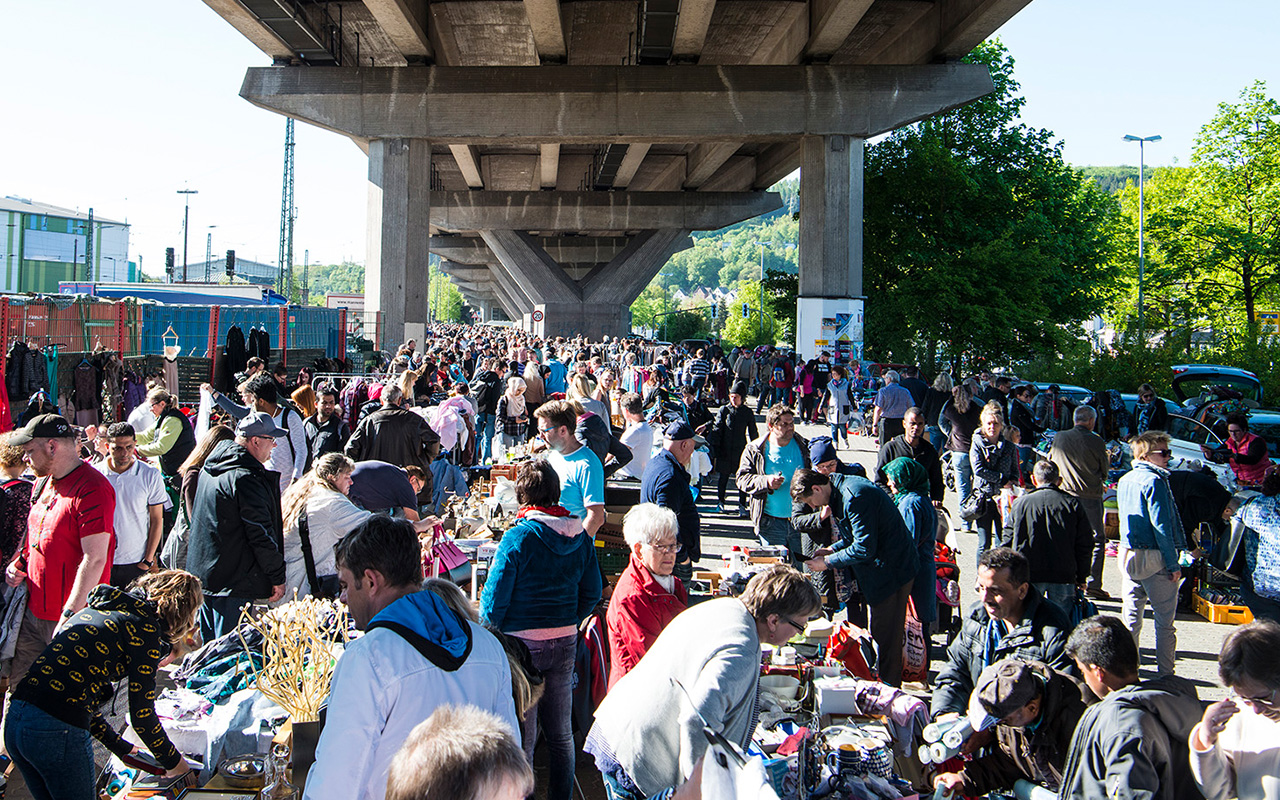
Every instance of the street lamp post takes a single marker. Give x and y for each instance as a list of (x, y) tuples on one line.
[(1142, 260), (186, 217)]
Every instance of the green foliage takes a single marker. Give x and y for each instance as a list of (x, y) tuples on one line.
[(979, 240), (1215, 228), (344, 278), (685, 325), (444, 298), (747, 331), (1110, 180), (653, 302)]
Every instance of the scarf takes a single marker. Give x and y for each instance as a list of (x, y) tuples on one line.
[(550, 511), (515, 405), (908, 476)]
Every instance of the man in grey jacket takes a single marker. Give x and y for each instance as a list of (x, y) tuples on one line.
[(1133, 744), (1081, 456)]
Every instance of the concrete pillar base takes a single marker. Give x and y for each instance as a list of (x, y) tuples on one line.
[(831, 324), (572, 319)]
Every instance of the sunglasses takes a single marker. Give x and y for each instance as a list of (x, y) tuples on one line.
[(1161, 452)]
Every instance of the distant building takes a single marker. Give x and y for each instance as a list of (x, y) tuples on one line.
[(216, 270), (43, 245)]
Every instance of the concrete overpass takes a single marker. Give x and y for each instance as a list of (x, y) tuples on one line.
[(557, 152)]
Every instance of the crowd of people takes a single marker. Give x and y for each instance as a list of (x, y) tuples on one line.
[(127, 542)]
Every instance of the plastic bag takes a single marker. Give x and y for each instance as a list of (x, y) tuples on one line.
[(915, 653)]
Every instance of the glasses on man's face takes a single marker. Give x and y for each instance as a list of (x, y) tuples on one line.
[(666, 549), (544, 431), (1268, 699), (799, 628), (1165, 453)]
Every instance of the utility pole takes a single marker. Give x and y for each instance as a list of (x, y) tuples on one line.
[(88, 249), (208, 253), (1142, 260), (186, 217), (287, 214)]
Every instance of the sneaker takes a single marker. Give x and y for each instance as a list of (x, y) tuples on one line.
[(720, 509), (742, 513)]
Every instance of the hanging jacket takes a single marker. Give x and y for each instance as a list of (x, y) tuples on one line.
[(235, 359)]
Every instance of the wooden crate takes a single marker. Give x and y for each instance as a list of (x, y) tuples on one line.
[(1221, 614)]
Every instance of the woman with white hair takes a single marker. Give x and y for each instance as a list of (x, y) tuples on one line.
[(513, 415), (647, 596)]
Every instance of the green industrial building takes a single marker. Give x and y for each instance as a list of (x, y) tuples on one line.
[(44, 244)]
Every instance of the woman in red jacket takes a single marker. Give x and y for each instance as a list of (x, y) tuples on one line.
[(647, 596)]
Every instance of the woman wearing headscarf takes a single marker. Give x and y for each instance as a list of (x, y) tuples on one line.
[(909, 485), (512, 414)]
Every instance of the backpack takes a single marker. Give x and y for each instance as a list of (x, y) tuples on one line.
[(779, 375), (289, 407)]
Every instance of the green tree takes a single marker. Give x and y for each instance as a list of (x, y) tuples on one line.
[(979, 240), (749, 331), (1222, 226), (648, 308)]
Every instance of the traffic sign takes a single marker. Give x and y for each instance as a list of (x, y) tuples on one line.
[(537, 316)]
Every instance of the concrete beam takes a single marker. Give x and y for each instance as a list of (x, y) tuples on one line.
[(549, 164), (776, 162), (830, 23), (594, 104), (548, 30), (539, 275), (636, 151), (624, 278), (251, 28), (691, 30), (396, 255), (982, 20), (468, 164), (596, 211), (404, 22), (471, 251), (705, 160)]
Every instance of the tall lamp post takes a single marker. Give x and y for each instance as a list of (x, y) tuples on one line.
[(1142, 260), (186, 217)]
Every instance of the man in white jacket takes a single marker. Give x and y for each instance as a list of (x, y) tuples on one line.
[(417, 654)]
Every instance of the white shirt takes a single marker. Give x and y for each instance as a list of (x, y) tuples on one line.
[(137, 489), (330, 517), (638, 437)]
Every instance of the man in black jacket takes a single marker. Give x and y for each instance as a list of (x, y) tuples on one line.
[(1010, 619), (1050, 528), (666, 482), (486, 388), (912, 444), (326, 431), (236, 546), (396, 435)]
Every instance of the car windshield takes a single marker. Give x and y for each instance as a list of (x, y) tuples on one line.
[(1196, 386)]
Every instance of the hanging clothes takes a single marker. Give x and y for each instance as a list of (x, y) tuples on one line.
[(171, 376), (235, 358), (84, 393), (110, 368), (6, 414), (51, 365), (133, 393)]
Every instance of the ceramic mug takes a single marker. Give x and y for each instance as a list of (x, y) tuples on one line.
[(845, 759)]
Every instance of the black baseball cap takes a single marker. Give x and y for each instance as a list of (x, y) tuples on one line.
[(45, 426)]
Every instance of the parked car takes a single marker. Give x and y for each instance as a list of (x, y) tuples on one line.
[(1076, 395), (1186, 439), (1193, 384), (1131, 402)]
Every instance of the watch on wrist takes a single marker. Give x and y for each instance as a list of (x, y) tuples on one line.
[(67, 613), (149, 563)]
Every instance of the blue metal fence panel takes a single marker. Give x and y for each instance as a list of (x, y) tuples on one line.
[(191, 323), (309, 327)]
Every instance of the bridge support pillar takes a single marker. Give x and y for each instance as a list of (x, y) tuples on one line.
[(829, 309), (599, 304), (399, 214)]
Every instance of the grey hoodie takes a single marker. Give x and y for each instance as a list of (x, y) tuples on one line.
[(1133, 744)]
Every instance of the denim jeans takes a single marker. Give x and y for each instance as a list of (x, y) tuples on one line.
[(936, 437), (1062, 595), (220, 615), (555, 658), (964, 477), (56, 759), (484, 432), (616, 791), (840, 431), (778, 531)]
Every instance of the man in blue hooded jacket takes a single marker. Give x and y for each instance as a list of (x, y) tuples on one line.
[(417, 654)]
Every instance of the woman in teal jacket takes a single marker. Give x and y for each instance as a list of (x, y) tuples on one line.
[(543, 582)]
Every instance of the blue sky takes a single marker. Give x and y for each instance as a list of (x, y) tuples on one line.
[(119, 105)]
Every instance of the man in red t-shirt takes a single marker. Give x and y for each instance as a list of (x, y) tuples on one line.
[(70, 536)]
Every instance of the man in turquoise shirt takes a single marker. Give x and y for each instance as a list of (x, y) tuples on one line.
[(581, 474), (764, 474)]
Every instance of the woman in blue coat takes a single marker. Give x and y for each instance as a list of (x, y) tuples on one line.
[(909, 484)]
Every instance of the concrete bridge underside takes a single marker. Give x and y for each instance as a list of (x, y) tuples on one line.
[(556, 152)]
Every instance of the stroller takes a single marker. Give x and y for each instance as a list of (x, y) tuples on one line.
[(950, 617)]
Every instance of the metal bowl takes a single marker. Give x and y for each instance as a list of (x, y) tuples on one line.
[(243, 772)]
